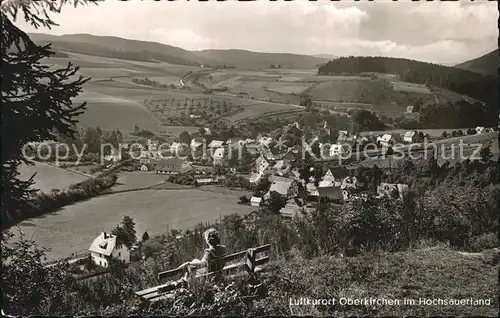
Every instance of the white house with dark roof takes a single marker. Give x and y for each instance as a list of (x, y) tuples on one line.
[(410, 136), (106, 247), (219, 155), (385, 140)]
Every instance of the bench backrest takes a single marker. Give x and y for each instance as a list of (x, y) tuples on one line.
[(247, 260)]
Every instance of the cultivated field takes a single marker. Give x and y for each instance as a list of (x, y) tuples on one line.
[(49, 177), (73, 228), (136, 179)]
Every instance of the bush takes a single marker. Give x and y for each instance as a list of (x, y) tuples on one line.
[(484, 242), (444, 134)]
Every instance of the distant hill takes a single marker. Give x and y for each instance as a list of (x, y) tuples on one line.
[(326, 56), (256, 60), (472, 84), (486, 64), (115, 47)]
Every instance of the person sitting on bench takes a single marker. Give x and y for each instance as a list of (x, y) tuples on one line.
[(213, 259)]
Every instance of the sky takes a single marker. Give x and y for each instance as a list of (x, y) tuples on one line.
[(439, 32)]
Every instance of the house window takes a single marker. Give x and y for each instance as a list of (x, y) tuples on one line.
[(119, 254), (100, 263)]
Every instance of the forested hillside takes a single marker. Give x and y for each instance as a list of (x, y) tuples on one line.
[(486, 64), (475, 85)]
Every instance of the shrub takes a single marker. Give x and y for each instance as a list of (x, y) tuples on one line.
[(484, 242)]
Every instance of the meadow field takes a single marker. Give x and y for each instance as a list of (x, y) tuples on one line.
[(49, 177), (73, 228)]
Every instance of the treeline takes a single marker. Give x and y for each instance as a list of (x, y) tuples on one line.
[(475, 85), (149, 82), (45, 202)]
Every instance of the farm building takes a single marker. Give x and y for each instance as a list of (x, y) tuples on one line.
[(219, 155), (385, 140), (255, 201), (172, 166), (410, 136), (105, 247), (255, 177), (144, 167), (409, 109), (392, 190)]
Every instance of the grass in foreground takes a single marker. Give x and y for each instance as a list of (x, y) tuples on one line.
[(432, 273)]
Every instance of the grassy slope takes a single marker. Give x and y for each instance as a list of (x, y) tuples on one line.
[(430, 273), (486, 64)]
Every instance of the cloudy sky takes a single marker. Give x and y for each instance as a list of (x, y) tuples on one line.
[(429, 31)]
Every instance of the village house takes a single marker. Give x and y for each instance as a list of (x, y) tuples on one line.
[(385, 140), (291, 209), (173, 166), (266, 141), (207, 131), (255, 201), (409, 109), (480, 130), (196, 144), (336, 150), (286, 189), (106, 247), (349, 182), (262, 165), (312, 190), (177, 148), (410, 136), (328, 176), (219, 155)]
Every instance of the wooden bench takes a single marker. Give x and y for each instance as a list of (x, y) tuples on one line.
[(247, 260)]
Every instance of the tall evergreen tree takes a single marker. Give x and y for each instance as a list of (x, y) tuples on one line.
[(36, 99)]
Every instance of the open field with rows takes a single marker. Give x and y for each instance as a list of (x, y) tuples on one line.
[(49, 177), (73, 228)]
